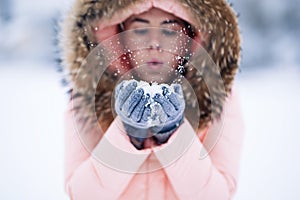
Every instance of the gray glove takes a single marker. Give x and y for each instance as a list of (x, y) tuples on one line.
[(133, 107), (170, 109), (140, 114)]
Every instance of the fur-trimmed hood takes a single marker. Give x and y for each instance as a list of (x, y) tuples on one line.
[(213, 18)]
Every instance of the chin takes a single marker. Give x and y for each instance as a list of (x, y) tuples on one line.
[(157, 79)]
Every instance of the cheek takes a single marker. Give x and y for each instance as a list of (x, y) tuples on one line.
[(105, 33), (177, 46), (126, 42), (169, 59), (174, 62), (137, 58)]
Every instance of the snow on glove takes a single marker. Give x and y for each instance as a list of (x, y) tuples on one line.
[(170, 110), (133, 107)]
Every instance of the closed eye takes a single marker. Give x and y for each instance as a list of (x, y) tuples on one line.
[(168, 32), (140, 31)]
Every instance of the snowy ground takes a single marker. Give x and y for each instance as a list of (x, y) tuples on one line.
[(270, 161), (33, 101), (31, 145)]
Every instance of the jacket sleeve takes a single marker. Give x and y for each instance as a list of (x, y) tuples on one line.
[(104, 172), (214, 176)]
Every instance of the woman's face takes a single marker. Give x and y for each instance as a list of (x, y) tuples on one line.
[(155, 40)]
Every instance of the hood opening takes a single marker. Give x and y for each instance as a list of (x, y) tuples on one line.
[(91, 22)]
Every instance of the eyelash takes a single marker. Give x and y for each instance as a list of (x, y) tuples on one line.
[(169, 32), (164, 31), (141, 31)]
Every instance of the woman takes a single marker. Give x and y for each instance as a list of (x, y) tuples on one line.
[(159, 32), (155, 40), (102, 161)]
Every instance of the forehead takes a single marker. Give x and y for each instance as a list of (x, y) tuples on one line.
[(155, 15)]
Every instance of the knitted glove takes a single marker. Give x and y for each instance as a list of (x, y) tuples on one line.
[(133, 107), (170, 110)]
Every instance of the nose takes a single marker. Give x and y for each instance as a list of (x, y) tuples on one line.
[(154, 40)]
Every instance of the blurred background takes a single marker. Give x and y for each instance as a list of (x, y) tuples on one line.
[(33, 99)]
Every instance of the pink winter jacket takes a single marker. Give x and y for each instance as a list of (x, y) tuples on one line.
[(89, 175)]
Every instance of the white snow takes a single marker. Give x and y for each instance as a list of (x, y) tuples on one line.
[(32, 139), (154, 88), (270, 162)]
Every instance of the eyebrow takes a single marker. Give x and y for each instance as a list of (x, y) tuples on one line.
[(170, 22), (147, 21), (140, 20)]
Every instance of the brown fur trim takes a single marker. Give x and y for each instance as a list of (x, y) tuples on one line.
[(214, 18)]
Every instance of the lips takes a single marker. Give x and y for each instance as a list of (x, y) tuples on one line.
[(154, 64)]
